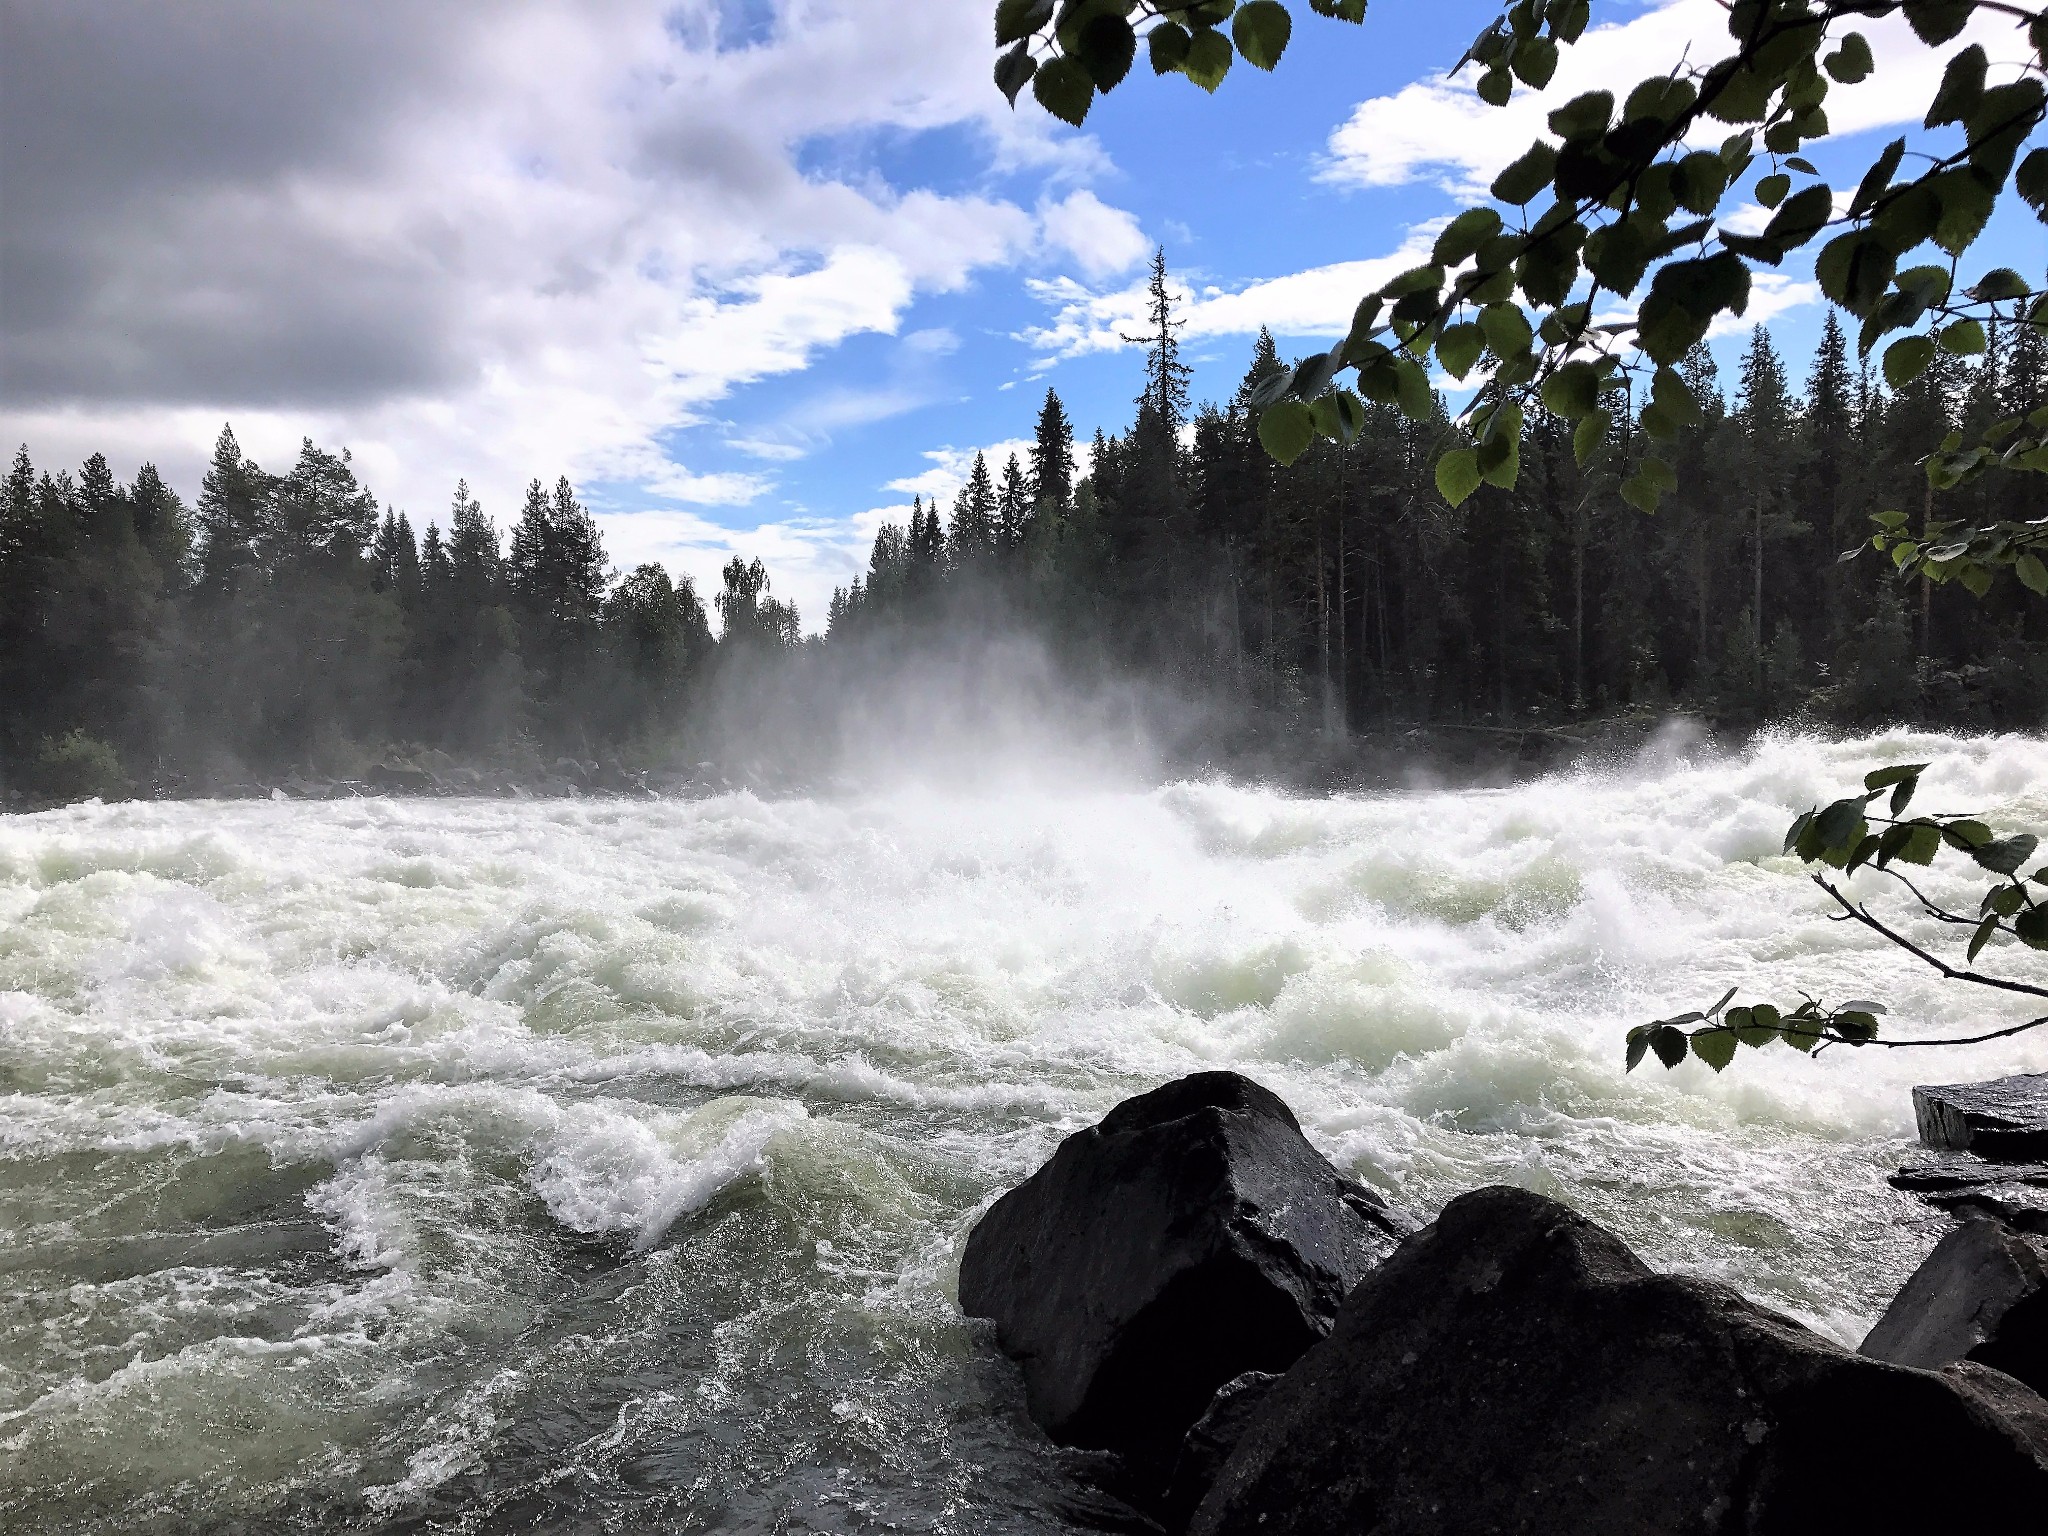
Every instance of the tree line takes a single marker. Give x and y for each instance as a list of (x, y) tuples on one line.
[(1343, 592), (286, 621)]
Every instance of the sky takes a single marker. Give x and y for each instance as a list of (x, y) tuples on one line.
[(750, 272)]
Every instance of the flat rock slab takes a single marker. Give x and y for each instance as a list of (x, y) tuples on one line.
[(1192, 1236), (1982, 1295), (1515, 1368), (2004, 1120)]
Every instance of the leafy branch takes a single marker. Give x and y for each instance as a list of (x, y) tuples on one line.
[(1851, 834), (1617, 199)]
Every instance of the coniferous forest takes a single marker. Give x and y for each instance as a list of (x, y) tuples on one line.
[(282, 621)]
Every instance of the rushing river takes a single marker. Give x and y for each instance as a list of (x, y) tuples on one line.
[(479, 1165)]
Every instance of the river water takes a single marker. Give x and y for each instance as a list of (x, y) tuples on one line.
[(486, 1165)]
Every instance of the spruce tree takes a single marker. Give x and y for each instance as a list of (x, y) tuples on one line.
[(233, 498), (1166, 376), (1052, 457)]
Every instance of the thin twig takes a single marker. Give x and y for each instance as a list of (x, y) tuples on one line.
[(1862, 915)]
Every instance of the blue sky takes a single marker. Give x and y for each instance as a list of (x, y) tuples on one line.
[(751, 273)]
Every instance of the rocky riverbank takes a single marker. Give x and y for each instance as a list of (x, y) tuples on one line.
[(1262, 1346)]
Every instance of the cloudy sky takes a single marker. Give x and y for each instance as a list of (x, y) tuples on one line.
[(751, 273)]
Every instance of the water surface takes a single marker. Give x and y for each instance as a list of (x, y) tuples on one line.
[(486, 1165)]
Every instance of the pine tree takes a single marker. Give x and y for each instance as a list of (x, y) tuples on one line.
[(1013, 508), (972, 536), (233, 500), (1166, 376), (1052, 457), (473, 557)]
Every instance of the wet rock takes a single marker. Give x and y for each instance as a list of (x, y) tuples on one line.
[(1211, 1440), (1514, 1367), (2005, 1120), (2013, 1193), (386, 779), (1982, 1295), (1190, 1237)]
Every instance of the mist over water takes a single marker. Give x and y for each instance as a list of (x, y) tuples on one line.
[(404, 1165)]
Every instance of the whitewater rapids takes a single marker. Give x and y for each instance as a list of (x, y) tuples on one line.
[(403, 1165)]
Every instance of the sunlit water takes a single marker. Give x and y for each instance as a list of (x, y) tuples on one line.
[(486, 1165)]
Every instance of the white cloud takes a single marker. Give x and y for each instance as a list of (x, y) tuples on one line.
[(580, 226), (1315, 302), (1438, 130), (1102, 239), (947, 469)]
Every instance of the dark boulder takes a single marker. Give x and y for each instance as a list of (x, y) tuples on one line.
[(1982, 1295), (2005, 1120), (1516, 1368), (389, 780), (1209, 1443), (1190, 1237)]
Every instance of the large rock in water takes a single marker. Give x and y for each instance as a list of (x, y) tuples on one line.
[(2005, 1120), (1516, 1368), (1192, 1236), (1982, 1295)]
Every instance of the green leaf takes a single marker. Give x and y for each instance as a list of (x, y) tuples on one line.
[(1590, 434), (1261, 28), (1965, 835), (1698, 181), (1018, 19), (1922, 845), (1312, 375), (1963, 339), (1573, 389), (1981, 937), (1897, 773), (2031, 181), (1208, 59), (1714, 1046), (1851, 61), (1802, 216), (1535, 62), (1014, 71), (1771, 190), (1506, 329), (1464, 235), (1840, 827), (1652, 481), (1526, 176), (1274, 387), (1962, 87), (1458, 348), (1584, 116), (1168, 45), (1999, 283), (2032, 572), (1064, 88), (1108, 45), (1670, 1044), (2006, 854), (1965, 205), (1286, 430), (1638, 1044), (1906, 359), (1500, 456), (1412, 392), (2031, 926), (1934, 22), (1877, 178), (1457, 475)]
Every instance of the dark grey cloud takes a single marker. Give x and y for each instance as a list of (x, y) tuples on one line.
[(161, 167)]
